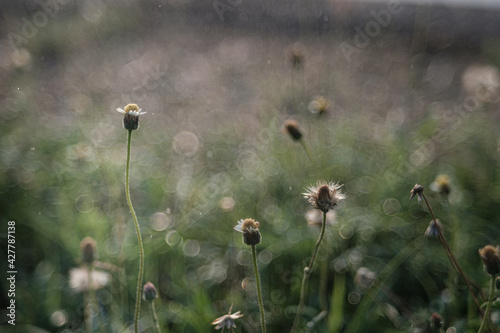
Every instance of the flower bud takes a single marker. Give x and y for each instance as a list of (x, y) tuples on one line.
[(250, 230), (291, 127), (89, 250), (489, 256), (149, 292), (131, 116)]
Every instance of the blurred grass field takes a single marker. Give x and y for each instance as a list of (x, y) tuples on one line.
[(211, 151)]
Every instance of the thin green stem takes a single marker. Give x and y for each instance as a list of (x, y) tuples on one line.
[(308, 153), (89, 302), (338, 300), (139, 238), (155, 317), (307, 272), (359, 319), (259, 290), (450, 255), (488, 306)]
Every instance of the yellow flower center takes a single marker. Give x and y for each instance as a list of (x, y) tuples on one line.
[(131, 107)]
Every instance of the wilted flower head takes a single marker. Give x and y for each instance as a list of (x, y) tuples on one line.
[(291, 127), (433, 228), (319, 105), (149, 292), (418, 191), (324, 196), (436, 321), (131, 116), (441, 184), (250, 230), (491, 261), (364, 278), (79, 279), (314, 218), (227, 321), (89, 250)]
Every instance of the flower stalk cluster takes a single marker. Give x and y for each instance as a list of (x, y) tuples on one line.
[(324, 196), (131, 122), (251, 236), (435, 227)]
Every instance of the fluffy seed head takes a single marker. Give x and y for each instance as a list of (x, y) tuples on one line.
[(491, 261), (324, 196), (250, 230), (79, 279)]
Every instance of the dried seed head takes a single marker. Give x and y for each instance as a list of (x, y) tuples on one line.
[(418, 191), (250, 230), (149, 292), (291, 127), (227, 321), (88, 247), (433, 228), (491, 261), (324, 196), (131, 116)]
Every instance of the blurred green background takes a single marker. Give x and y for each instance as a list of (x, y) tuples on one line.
[(412, 99)]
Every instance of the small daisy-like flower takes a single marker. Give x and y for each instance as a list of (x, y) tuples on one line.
[(250, 230), (441, 184), (227, 321), (291, 127), (433, 229), (89, 250), (418, 191), (131, 116), (324, 196), (149, 292), (491, 261), (79, 279), (319, 105)]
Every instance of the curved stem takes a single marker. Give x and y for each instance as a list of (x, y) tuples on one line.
[(307, 272), (488, 306), (452, 257), (139, 238), (155, 317), (259, 291)]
